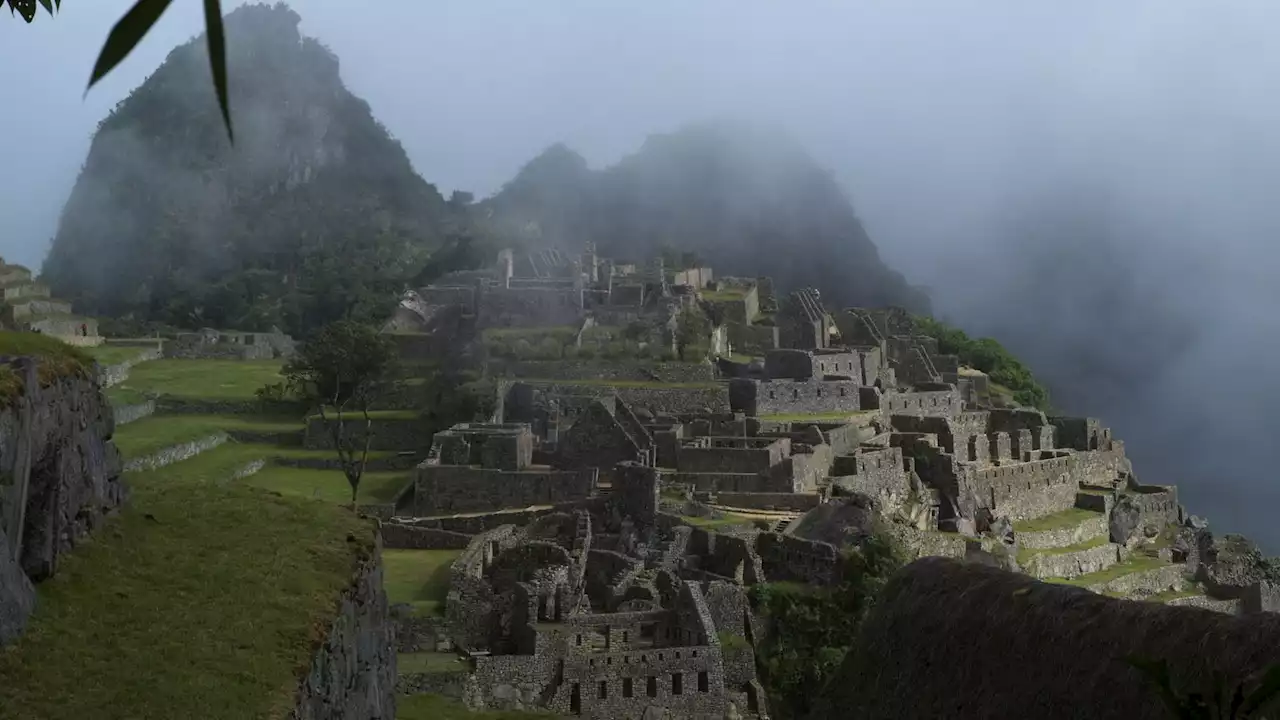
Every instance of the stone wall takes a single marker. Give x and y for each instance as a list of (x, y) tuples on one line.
[(110, 375), (450, 489), (528, 307), (792, 559), (175, 453), (794, 397), (799, 502), (388, 433), (403, 536), (125, 414), (673, 399), (938, 403), (963, 640), (636, 371), (752, 339), (59, 477), (353, 672)]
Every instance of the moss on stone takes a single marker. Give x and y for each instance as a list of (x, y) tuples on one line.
[(229, 380), (56, 360), (437, 707), (1025, 555), (1056, 521), (1135, 564), (419, 578)]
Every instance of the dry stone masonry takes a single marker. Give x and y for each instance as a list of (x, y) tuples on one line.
[(584, 586)]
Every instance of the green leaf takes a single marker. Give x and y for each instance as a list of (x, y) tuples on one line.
[(218, 58), (126, 35), (25, 8), (48, 6)]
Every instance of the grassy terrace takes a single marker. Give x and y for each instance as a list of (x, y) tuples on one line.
[(725, 295), (1026, 554), (201, 599), (1136, 563), (725, 520), (419, 578), (157, 432), (203, 379), (330, 485), (373, 414), (115, 354), (1056, 521)]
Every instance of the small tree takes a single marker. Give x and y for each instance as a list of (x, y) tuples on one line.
[(343, 368), (692, 330)]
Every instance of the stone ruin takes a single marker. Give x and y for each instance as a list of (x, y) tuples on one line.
[(210, 344), (29, 306), (587, 584)]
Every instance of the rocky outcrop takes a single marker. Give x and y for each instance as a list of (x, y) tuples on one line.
[(959, 640), (59, 477), (353, 674)]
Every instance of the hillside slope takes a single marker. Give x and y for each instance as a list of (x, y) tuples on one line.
[(745, 199), (315, 209)]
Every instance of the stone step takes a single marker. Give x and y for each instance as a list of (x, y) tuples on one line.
[(1091, 556), (1200, 600), (1138, 576), (1061, 529)]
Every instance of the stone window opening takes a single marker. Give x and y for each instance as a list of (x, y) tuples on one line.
[(626, 687), (608, 661), (644, 659), (677, 683), (592, 662), (795, 394), (624, 636), (652, 686), (575, 700), (704, 684), (677, 654), (660, 657), (842, 394), (579, 640), (695, 653), (604, 689)]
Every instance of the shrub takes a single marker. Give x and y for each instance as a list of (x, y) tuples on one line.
[(990, 357)]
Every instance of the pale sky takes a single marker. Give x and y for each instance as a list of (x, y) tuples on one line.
[(938, 117)]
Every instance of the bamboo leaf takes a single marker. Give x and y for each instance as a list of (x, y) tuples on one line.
[(218, 58), (25, 8), (48, 6), (1267, 691), (126, 35)]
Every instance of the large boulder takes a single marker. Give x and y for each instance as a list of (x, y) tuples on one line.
[(1233, 563), (962, 641)]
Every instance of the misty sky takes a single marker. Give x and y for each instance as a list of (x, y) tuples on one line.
[(939, 118)]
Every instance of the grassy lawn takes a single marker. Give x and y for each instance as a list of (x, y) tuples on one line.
[(430, 662), (204, 379), (419, 578), (725, 295), (119, 396), (373, 414), (157, 432), (438, 707), (1056, 521), (115, 354), (559, 332), (200, 600), (330, 485)]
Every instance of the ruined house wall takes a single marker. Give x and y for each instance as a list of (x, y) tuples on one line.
[(60, 476), (791, 559), (940, 403), (1026, 490), (794, 397), (871, 472), (752, 339), (731, 460), (528, 307), (353, 672), (449, 489), (387, 433), (733, 482), (675, 400), (671, 372), (907, 663)]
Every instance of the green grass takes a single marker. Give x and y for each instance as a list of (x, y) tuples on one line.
[(155, 433), (1026, 554), (200, 600), (204, 379), (559, 332), (118, 396), (419, 578), (1056, 521), (330, 485), (729, 641), (58, 360), (430, 662), (725, 295), (1136, 563), (626, 383), (115, 354), (438, 707)]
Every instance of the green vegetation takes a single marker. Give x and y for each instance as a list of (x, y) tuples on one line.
[(1056, 521), (438, 707), (692, 334), (812, 627), (711, 523), (635, 341), (299, 255), (330, 485), (344, 369), (419, 578), (115, 354), (201, 599), (203, 379), (730, 642), (157, 432), (1135, 564), (729, 294), (1254, 698), (57, 360), (817, 417), (990, 357), (1025, 555)]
